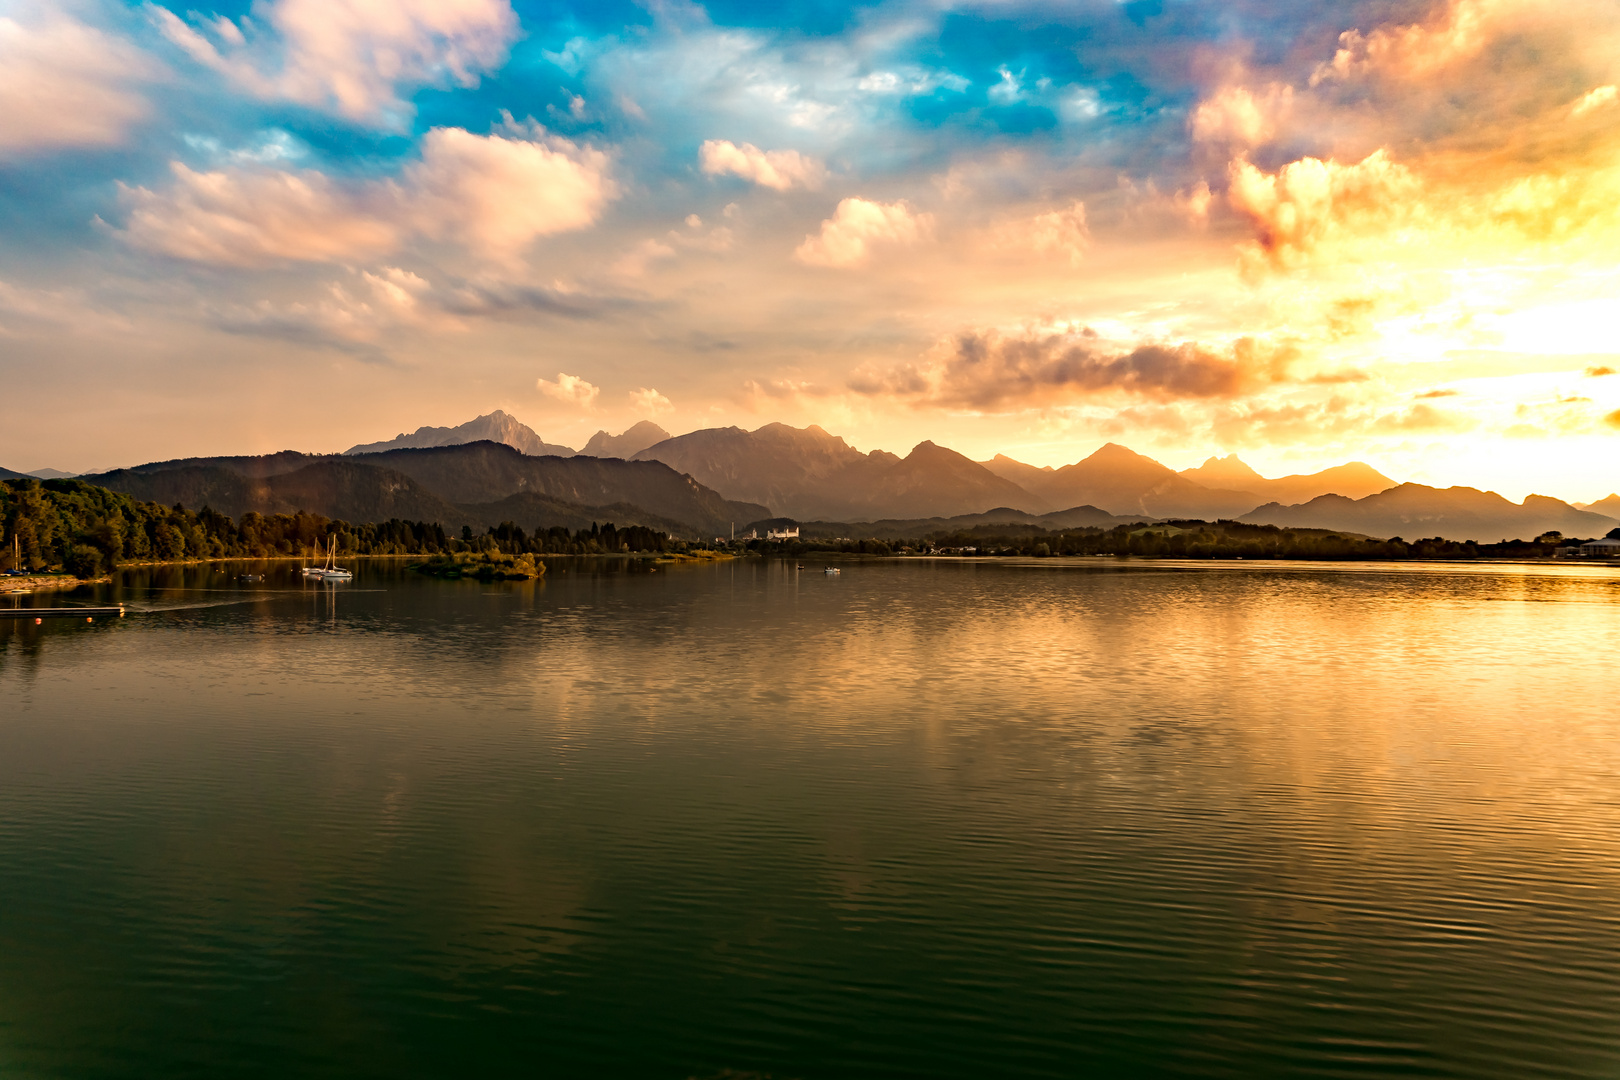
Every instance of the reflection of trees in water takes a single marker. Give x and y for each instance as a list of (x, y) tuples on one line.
[(21, 645)]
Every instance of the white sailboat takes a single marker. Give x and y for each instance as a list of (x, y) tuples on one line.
[(333, 572), (311, 571)]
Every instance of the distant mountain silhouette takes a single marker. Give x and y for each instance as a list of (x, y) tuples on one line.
[(498, 427), (1355, 480), (628, 443), (52, 474), (1122, 481), (453, 485), (1609, 507), (1413, 511), (807, 473), (1079, 517), (7, 474)]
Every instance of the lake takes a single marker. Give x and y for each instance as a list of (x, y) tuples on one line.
[(919, 819)]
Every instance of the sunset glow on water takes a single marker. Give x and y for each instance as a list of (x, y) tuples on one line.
[(943, 819)]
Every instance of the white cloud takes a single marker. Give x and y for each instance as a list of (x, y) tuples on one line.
[(778, 169), (1603, 95), (243, 217), (494, 194), (650, 402), (846, 238), (63, 83), (1009, 89), (351, 57), (570, 389), (500, 193)]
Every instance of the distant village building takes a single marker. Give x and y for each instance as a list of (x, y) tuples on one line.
[(783, 534), (1606, 548)]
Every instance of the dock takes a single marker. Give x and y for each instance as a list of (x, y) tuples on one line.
[(62, 612)]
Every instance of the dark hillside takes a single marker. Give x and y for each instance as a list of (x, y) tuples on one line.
[(485, 472)]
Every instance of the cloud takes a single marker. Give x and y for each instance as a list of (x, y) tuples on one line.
[(63, 83), (636, 261), (494, 194), (1414, 51), (1237, 116), (350, 57), (1056, 232), (1310, 203), (650, 402), (1597, 99), (780, 170), (570, 389), (499, 194), (1304, 423), (362, 311), (992, 372), (847, 238), (244, 217)]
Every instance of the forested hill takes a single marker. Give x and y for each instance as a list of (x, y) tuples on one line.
[(87, 530), (450, 485)]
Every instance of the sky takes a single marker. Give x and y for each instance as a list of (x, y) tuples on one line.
[(1305, 233)]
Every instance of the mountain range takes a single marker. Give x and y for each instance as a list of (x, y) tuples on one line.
[(494, 469), (1413, 511), (807, 473), (477, 484)]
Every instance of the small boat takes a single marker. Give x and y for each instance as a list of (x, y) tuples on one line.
[(832, 570), (333, 572)]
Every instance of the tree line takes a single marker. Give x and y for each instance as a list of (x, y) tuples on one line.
[(1175, 540), (88, 530)]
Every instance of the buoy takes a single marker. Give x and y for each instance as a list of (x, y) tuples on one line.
[(38, 621), (89, 618)]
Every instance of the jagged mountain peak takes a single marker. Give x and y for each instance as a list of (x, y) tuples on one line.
[(1228, 471), (498, 426), (627, 443)]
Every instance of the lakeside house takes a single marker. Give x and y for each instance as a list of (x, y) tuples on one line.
[(1606, 548), (783, 534)]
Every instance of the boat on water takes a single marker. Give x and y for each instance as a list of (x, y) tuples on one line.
[(332, 571), (832, 570)]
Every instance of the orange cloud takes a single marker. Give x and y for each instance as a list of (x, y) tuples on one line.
[(1238, 116), (569, 389), (1414, 51), (992, 372), (1057, 232), (1310, 203)]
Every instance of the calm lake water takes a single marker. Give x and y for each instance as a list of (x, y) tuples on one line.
[(920, 819)]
